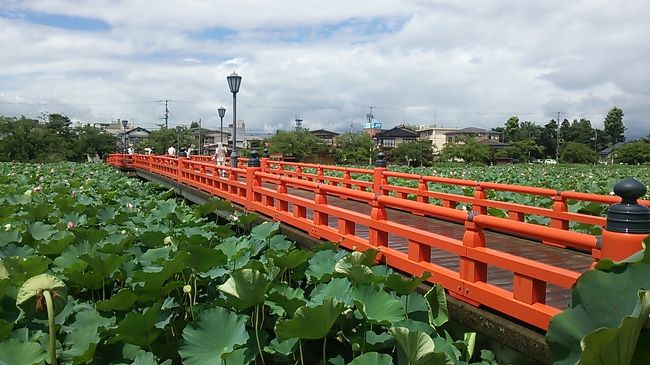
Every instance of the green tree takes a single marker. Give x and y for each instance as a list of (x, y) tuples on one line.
[(614, 127), (469, 150), (574, 152), (159, 141), (524, 150), (634, 153), (511, 129), (298, 143), (17, 139), (417, 153), (548, 138), (92, 141), (579, 131), (354, 148)]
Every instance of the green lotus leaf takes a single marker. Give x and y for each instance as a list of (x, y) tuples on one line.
[(310, 323), (247, 286), (290, 259), (337, 288), (417, 347), (378, 306), (209, 207), (87, 279), (122, 301), (402, 285), (617, 346), (355, 258), (16, 352), (321, 265), (284, 348), (153, 278), (139, 328), (265, 230), (217, 332), (204, 259), (4, 274), (154, 256), (41, 231), (30, 295), (106, 214), (372, 358), (152, 238), (84, 335), (437, 304), (56, 244), (288, 298), (7, 237), (591, 310), (147, 358), (114, 243)]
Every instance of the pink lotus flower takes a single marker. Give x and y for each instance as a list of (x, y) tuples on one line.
[(73, 194), (41, 178), (129, 205), (71, 225)]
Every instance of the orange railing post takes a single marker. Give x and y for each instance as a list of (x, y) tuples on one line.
[(628, 223), (253, 181), (479, 197), (472, 270), (378, 213)]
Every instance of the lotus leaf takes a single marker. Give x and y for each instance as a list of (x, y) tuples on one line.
[(310, 323)]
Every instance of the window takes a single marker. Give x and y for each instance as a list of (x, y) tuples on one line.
[(388, 142)]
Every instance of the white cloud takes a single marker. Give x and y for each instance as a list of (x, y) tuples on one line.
[(470, 63)]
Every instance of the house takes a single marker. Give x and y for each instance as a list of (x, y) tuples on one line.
[(328, 137), (210, 139), (477, 133), (437, 136), (394, 137), (241, 132), (608, 155), (136, 137)]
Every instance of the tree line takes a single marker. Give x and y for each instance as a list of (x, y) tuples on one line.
[(52, 139)]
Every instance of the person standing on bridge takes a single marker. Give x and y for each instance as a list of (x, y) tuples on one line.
[(220, 156), (171, 151)]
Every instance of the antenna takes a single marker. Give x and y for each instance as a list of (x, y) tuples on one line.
[(370, 116), (166, 117), (299, 121)]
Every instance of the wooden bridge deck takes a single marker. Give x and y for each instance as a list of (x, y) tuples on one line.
[(534, 250)]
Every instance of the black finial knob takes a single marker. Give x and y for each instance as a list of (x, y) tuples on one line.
[(381, 160), (253, 160), (629, 189), (265, 153), (629, 216)]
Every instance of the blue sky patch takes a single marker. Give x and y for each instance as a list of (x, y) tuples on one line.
[(62, 21), (216, 33)]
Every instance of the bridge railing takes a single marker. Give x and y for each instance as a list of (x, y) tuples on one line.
[(266, 189)]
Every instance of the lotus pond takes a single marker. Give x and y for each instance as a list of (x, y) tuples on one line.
[(99, 268)]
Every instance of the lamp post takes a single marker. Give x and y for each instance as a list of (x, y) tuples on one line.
[(178, 140), (222, 113), (124, 124), (234, 81)]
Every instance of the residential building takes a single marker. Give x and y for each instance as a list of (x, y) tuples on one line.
[(136, 137), (608, 155), (241, 131), (328, 137), (210, 139), (477, 133), (437, 136), (394, 137)]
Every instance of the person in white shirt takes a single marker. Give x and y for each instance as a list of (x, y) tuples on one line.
[(171, 151), (220, 156)]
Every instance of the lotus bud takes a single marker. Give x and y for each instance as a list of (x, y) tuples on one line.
[(356, 347), (348, 313), (7, 226), (123, 231), (41, 178), (167, 240), (28, 192), (129, 205), (71, 225), (187, 289), (73, 194), (37, 189)]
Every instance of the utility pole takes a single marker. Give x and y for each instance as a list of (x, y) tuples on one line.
[(200, 137), (557, 145), (166, 112), (596, 144)]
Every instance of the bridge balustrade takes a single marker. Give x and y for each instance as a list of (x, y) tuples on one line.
[(265, 187)]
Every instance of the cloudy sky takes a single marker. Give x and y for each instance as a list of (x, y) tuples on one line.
[(448, 63)]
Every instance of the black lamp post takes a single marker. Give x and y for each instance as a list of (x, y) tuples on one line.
[(222, 113), (234, 81), (124, 124)]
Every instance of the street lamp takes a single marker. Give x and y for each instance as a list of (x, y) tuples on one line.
[(124, 124), (222, 113), (234, 81)]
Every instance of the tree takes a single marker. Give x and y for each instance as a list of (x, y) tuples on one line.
[(17, 141), (511, 129), (524, 150), (579, 131), (548, 138), (91, 141), (467, 149), (298, 143), (574, 152), (634, 153), (159, 141), (614, 127), (416, 153), (194, 125), (354, 148)]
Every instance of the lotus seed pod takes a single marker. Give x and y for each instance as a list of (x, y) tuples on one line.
[(356, 347), (187, 289)]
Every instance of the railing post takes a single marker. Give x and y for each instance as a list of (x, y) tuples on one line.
[(559, 206), (470, 269), (628, 222), (253, 181), (179, 168), (479, 196), (264, 161), (378, 212), (280, 204), (347, 177), (320, 199)]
